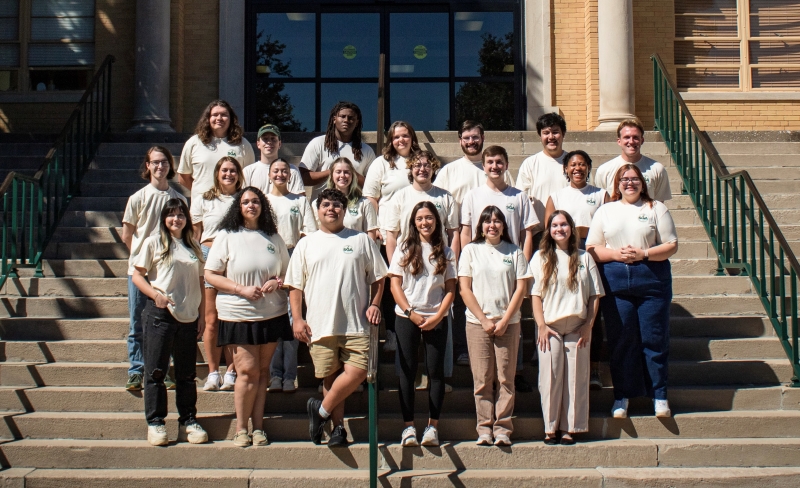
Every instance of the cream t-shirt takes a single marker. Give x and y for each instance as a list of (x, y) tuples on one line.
[(494, 271), (361, 216), (462, 175), (249, 258), (579, 203), (539, 177), (317, 158), (257, 175), (424, 291), (514, 203), (382, 182), (655, 175), (293, 217), (399, 211), (199, 160), (559, 302), (179, 280), (143, 212), (210, 213), (335, 272), (616, 225)]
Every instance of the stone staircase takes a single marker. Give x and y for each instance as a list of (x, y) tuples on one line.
[(68, 421)]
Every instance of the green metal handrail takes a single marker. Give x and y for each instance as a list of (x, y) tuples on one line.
[(742, 230), (32, 207)]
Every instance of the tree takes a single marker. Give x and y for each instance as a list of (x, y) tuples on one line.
[(272, 106)]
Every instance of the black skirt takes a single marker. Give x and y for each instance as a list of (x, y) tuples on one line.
[(255, 333)]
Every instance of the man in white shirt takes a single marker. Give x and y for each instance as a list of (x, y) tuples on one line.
[(257, 174), (342, 139), (341, 273), (630, 137)]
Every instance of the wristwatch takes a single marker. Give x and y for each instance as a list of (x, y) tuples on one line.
[(408, 311)]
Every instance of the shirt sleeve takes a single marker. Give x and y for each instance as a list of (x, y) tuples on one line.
[(394, 266), (662, 191), (391, 219), (131, 215), (376, 268), (452, 213), (536, 271), (524, 180), (529, 218), (523, 269), (596, 285), (370, 215), (312, 157), (373, 179), (296, 181), (368, 155), (197, 209), (309, 222), (466, 210), (218, 256), (596, 236), (465, 262), (450, 272), (247, 175), (665, 226), (284, 255), (147, 256), (296, 273), (185, 163)]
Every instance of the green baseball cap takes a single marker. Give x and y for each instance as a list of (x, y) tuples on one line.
[(269, 128)]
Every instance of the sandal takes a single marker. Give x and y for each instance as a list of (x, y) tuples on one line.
[(551, 439), (566, 439)]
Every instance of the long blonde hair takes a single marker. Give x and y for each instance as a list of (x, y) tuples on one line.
[(354, 191), (550, 260), (216, 190)]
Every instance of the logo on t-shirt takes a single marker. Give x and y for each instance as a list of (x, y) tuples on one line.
[(294, 210), (510, 207), (437, 205), (508, 261), (353, 211), (646, 179), (271, 248), (232, 153), (581, 267), (591, 201), (192, 256), (348, 249), (643, 219)]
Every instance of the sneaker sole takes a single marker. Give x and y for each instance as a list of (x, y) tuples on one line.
[(620, 415), (430, 443), (158, 442), (208, 387), (226, 388), (413, 443), (663, 415), (133, 388)]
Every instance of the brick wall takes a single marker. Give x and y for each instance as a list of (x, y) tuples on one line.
[(201, 78), (115, 33), (569, 61), (177, 64), (730, 115), (653, 32), (591, 59)]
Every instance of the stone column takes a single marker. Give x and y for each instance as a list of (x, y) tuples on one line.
[(615, 50), (231, 55), (538, 61), (151, 99)]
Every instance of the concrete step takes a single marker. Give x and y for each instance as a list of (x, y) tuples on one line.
[(70, 287), (115, 189), (92, 218), (741, 161), (81, 268), (757, 148), (16, 149), (92, 202), (83, 250), (67, 234)]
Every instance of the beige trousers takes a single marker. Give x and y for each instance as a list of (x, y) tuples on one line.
[(564, 379), (494, 362)]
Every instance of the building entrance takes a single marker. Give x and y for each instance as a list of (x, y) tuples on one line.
[(445, 62)]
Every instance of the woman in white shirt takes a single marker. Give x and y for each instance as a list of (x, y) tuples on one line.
[(247, 265), (493, 275), (565, 297), (206, 215), (631, 239), (360, 215), (423, 282), (294, 219), (173, 321)]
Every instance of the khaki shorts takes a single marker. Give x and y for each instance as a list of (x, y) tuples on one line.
[(329, 353)]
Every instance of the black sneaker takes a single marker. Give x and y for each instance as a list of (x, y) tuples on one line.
[(522, 386), (338, 437), (595, 383), (315, 421)]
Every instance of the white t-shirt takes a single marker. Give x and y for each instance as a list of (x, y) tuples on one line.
[(249, 258), (494, 271), (210, 213), (539, 177), (335, 272), (143, 212), (199, 160), (616, 225), (382, 182), (179, 280), (655, 175), (559, 302), (257, 175), (462, 175), (317, 158), (398, 213), (579, 203), (424, 291), (514, 203), (361, 216), (293, 217)]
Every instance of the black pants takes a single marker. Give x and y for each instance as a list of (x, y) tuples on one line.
[(459, 325), (163, 335), (407, 359), (387, 299)]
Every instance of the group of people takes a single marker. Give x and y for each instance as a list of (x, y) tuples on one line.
[(444, 255)]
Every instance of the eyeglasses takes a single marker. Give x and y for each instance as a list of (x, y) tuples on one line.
[(336, 205), (471, 138), (625, 181), (420, 166), (163, 162)]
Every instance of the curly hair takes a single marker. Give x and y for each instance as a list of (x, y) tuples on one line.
[(644, 195), (332, 195), (216, 190), (187, 234), (354, 191), (548, 248), (488, 213), (203, 127), (412, 247), (389, 152), (416, 157), (331, 144), (233, 221), (144, 170), (582, 154)]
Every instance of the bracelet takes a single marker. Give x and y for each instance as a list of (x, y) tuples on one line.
[(373, 305)]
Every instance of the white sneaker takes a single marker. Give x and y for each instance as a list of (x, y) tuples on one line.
[(620, 409), (213, 382), (390, 344), (193, 433), (275, 384), (430, 437), (423, 383), (662, 408), (409, 437), (502, 440), (157, 435), (290, 386), (448, 388), (484, 440), (228, 383)]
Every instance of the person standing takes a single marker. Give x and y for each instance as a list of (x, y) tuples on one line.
[(257, 174), (361, 215), (565, 293), (173, 321), (140, 221)]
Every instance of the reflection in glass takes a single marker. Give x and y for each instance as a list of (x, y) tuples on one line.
[(350, 45), (483, 42), (365, 95), (290, 106), (285, 45), (419, 45), (426, 106), (492, 104)]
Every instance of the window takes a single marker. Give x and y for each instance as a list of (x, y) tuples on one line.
[(737, 45), (46, 45)]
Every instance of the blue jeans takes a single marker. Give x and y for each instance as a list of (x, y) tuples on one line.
[(636, 316), (136, 303), (284, 360)]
